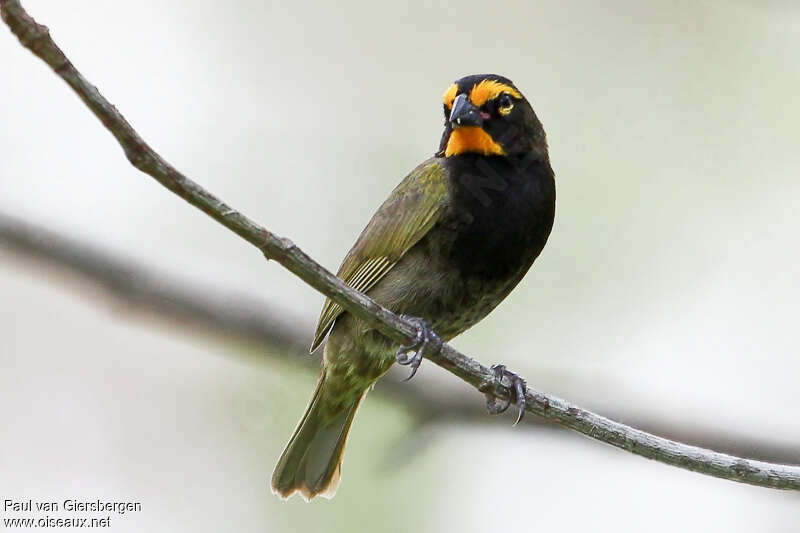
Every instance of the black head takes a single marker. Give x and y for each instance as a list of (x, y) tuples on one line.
[(486, 114)]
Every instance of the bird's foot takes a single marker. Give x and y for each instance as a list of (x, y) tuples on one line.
[(518, 389), (425, 342)]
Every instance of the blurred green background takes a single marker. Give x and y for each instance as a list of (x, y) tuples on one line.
[(669, 291)]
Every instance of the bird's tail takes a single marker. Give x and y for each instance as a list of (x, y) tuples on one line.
[(311, 462)]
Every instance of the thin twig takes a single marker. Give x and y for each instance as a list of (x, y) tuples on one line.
[(37, 39), (131, 288)]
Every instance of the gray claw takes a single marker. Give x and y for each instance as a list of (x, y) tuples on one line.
[(518, 388), (425, 342)]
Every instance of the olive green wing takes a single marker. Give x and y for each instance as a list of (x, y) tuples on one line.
[(404, 218)]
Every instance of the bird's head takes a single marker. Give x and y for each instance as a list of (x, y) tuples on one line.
[(486, 114)]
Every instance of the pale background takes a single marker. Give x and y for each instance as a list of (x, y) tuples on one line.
[(668, 291)]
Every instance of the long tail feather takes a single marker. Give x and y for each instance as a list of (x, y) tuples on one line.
[(312, 460)]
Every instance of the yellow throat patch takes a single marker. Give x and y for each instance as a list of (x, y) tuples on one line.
[(471, 139)]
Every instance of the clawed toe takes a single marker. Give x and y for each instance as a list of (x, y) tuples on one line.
[(425, 342), (518, 388)]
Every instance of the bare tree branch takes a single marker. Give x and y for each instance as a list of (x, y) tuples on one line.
[(37, 39), (132, 288), (135, 288)]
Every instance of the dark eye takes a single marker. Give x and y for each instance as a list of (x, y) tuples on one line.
[(504, 104)]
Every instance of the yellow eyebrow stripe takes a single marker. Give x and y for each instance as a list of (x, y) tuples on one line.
[(489, 89), (450, 95)]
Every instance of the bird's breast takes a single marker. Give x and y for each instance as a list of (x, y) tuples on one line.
[(500, 218)]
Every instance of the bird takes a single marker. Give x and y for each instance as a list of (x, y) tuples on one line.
[(446, 247)]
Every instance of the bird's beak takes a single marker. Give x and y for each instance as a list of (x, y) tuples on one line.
[(464, 113)]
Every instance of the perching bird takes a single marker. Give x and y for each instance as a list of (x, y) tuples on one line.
[(447, 246)]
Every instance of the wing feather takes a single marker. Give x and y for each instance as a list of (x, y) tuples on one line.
[(404, 218)]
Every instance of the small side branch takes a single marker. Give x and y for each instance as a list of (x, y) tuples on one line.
[(37, 39)]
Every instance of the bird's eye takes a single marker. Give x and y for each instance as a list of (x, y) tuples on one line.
[(504, 104)]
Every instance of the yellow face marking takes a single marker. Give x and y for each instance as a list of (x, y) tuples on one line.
[(506, 110), (488, 90), (450, 95), (471, 139)]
